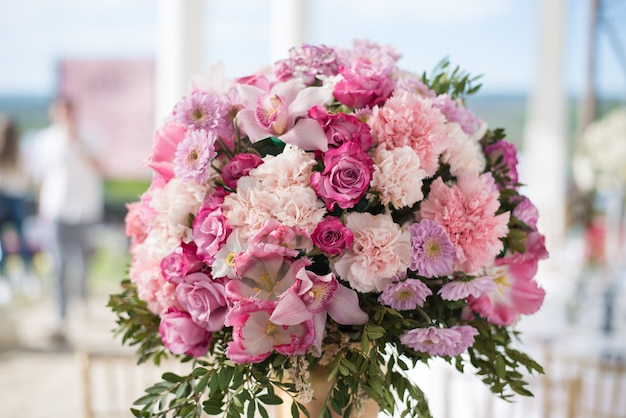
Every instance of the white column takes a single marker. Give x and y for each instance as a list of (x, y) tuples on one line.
[(288, 26), (545, 135), (180, 51)]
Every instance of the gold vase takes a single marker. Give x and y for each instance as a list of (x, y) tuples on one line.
[(320, 386)]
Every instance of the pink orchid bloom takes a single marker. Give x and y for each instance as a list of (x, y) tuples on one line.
[(515, 293), (263, 278), (282, 112), (313, 297), (255, 335)]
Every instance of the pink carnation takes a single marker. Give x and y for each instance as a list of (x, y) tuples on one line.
[(379, 251), (135, 224), (407, 119), (397, 177), (467, 212)]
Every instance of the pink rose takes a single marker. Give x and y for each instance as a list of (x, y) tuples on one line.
[(331, 236), (204, 299), (210, 231), (341, 128), (363, 85), (278, 238), (239, 166), (181, 262), (165, 144), (346, 176), (181, 335)]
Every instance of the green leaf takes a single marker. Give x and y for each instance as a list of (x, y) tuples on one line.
[(146, 399), (171, 377), (270, 400)]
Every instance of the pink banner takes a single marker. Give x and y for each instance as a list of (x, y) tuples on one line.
[(114, 102)]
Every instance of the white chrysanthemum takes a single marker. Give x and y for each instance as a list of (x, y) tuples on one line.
[(173, 205), (398, 176), (464, 155)]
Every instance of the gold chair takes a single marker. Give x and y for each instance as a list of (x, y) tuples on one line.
[(111, 382), (584, 387)]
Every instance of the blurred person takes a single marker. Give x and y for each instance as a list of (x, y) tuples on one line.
[(70, 201), (14, 190)]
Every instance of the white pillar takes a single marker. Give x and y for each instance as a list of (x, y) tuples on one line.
[(180, 51), (288, 26), (545, 134)]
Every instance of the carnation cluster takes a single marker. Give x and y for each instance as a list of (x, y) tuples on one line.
[(335, 207)]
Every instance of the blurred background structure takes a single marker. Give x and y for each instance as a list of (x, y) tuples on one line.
[(554, 75)]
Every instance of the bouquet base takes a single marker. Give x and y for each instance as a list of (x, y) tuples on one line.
[(320, 385)]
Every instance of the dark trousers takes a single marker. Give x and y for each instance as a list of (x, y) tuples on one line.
[(13, 213), (72, 250)]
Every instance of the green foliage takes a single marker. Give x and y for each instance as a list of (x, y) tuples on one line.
[(444, 79), (136, 324)]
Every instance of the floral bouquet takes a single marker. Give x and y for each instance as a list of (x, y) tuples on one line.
[(333, 212)]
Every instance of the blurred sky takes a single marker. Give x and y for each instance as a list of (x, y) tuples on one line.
[(495, 38)]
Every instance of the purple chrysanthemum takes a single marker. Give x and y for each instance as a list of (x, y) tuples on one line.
[(461, 288), (456, 112), (201, 110), (433, 252), (440, 341), (306, 63), (405, 295), (194, 155)]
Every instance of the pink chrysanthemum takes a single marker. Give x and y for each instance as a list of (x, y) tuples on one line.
[(194, 155), (433, 252), (461, 288), (414, 84), (201, 110), (440, 341), (407, 119), (381, 57), (405, 295), (467, 212), (307, 62)]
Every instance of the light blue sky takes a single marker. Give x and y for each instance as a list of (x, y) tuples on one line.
[(496, 38)]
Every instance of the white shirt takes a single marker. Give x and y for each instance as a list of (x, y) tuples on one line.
[(71, 188)]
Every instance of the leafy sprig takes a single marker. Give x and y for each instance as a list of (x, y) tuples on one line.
[(445, 79)]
